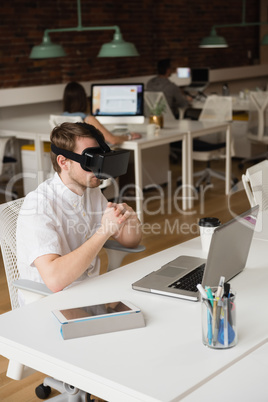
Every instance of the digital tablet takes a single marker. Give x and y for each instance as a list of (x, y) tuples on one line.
[(95, 311)]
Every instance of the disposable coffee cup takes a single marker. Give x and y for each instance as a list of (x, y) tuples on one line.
[(207, 227), (153, 129)]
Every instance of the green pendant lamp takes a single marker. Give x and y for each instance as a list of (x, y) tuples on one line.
[(47, 49), (117, 48), (213, 40)]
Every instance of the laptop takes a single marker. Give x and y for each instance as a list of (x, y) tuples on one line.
[(227, 257), (199, 77)]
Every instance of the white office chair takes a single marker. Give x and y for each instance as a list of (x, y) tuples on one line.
[(34, 291), (151, 100), (55, 120), (255, 182), (8, 163), (257, 123), (216, 108)]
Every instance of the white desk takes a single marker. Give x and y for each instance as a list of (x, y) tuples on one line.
[(185, 131), (165, 361), (37, 129)]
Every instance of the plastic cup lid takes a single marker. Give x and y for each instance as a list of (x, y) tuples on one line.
[(209, 222)]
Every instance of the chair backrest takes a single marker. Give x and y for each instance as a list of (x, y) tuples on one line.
[(55, 120), (151, 99), (8, 226), (258, 116), (217, 108), (255, 182), (3, 145)]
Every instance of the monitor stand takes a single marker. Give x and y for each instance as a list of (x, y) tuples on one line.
[(120, 128)]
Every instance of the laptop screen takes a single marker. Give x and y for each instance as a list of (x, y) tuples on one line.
[(200, 74)]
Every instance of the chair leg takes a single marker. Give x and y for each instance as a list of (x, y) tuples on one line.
[(254, 159), (67, 392)]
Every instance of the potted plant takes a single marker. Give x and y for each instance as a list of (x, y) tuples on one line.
[(156, 112)]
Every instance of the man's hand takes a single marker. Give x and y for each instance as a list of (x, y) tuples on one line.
[(115, 216)]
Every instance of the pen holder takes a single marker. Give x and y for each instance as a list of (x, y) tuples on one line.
[(219, 321)]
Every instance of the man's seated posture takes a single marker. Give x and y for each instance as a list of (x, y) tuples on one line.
[(65, 222)]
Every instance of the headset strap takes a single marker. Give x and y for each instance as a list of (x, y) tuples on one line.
[(105, 147), (69, 154)]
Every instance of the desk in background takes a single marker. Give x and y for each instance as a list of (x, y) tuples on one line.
[(37, 129), (163, 362)]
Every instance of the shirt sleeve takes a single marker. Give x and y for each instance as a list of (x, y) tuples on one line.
[(36, 232)]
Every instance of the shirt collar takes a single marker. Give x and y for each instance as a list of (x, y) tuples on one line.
[(64, 192)]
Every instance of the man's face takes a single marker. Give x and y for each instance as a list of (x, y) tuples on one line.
[(77, 175)]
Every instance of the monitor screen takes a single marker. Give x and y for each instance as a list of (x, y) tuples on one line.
[(181, 77), (200, 74), (184, 72), (117, 103)]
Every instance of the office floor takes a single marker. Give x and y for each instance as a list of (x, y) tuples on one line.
[(165, 225)]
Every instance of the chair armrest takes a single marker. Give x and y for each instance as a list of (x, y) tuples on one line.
[(115, 245), (116, 253), (31, 286)]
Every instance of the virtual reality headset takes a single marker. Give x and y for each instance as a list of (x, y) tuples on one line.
[(102, 161)]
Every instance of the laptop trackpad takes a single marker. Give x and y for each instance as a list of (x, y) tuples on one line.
[(171, 271)]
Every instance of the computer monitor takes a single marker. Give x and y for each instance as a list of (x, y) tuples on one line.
[(183, 72), (118, 104), (182, 76)]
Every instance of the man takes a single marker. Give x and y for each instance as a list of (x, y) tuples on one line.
[(65, 222), (172, 92)]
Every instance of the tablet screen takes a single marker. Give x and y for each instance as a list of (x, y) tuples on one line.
[(95, 310)]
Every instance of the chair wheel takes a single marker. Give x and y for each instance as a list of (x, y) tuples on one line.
[(235, 180), (42, 391)]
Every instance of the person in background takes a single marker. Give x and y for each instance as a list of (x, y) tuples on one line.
[(161, 83), (75, 103), (64, 223)]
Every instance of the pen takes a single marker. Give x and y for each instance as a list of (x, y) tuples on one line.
[(225, 321), (217, 322), (220, 287), (210, 295), (205, 297), (209, 327), (226, 289), (209, 311)]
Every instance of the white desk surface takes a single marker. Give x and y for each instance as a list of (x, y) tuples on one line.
[(165, 361), (245, 380), (38, 124)]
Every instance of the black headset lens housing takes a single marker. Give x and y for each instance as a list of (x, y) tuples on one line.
[(102, 161)]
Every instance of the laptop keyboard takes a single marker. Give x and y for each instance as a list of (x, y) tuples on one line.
[(197, 84), (189, 281)]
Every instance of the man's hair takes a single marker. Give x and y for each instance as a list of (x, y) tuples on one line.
[(75, 98), (163, 65), (64, 137)]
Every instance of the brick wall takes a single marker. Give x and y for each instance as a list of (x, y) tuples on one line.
[(169, 28)]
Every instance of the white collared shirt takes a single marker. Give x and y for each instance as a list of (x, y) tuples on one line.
[(54, 220)]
